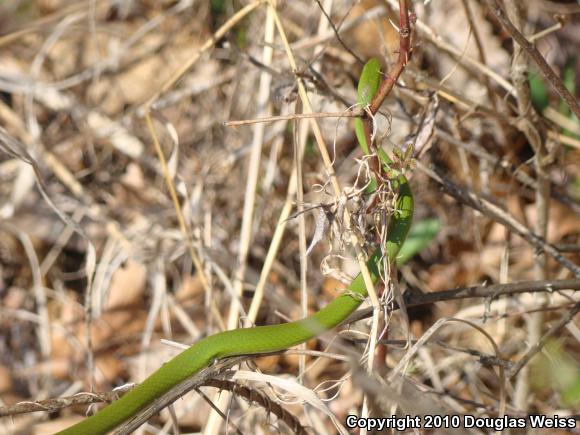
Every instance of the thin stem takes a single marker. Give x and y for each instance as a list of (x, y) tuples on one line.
[(536, 56), (404, 57)]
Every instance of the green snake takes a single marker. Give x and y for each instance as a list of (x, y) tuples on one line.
[(272, 338)]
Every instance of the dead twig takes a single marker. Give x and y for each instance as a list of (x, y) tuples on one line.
[(335, 29), (478, 151), (347, 114), (252, 395), (537, 57), (479, 291), (536, 347), (494, 291), (256, 397), (499, 215), (528, 124), (56, 404), (404, 56)]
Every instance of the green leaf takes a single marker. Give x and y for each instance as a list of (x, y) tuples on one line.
[(557, 370), (539, 92), (421, 234), (218, 6), (569, 79), (571, 393)]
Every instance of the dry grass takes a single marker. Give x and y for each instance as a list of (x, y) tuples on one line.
[(130, 213)]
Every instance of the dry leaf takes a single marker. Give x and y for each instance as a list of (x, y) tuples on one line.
[(127, 285)]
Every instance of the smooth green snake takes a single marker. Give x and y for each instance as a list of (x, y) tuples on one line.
[(267, 339)]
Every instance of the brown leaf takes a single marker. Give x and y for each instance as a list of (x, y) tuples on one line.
[(127, 285)]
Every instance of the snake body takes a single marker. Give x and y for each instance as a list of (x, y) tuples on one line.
[(271, 338)]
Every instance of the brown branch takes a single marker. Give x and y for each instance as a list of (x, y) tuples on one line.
[(494, 291), (258, 398), (346, 114), (528, 124), (335, 29), (536, 56), (251, 395), (496, 213), (404, 56), (480, 51), (215, 408), (479, 291), (475, 149), (206, 376), (52, 405), (534, 349)]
